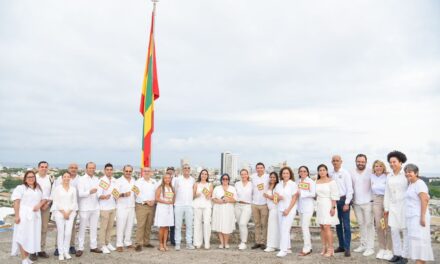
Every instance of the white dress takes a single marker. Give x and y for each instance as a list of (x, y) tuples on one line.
[(419, 237), (273, 232), (27, 233), (223, 218), (165, 212), (325, 193), (394, 199)]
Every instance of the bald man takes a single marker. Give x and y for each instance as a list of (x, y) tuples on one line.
[(345, 186)]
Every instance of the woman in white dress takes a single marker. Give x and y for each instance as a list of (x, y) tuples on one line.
[(394, 205), (64, 208), (223, 219), (286, 192), (378, 184), (306, 207), (327, 194), (418, 219), (164, 217), (243, 210), (27, 199), (202, 210), (273, 232)]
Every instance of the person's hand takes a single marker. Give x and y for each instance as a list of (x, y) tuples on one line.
[(265, 195), (44, 207), (17, 219), (280, 197), (66, 215), (93, 190), (286, 212), (108, 196), (127, 194), (36, 208), (422, 221), (385, 214), (346, 207), (150, 203), (332, 212)]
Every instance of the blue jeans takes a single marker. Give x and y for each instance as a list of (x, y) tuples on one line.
[(181, 213), (343, 229)]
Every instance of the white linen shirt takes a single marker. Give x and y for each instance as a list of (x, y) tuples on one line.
[(394, 199), (378, 184), (344, 182), (412, 199), (184, 190), (244, 193), (110, 203), (123, 186), (45, 185), (260, 184), (306, 202), (64, 200), (147, 190), (87, 201), (361, 187), (287, 191)]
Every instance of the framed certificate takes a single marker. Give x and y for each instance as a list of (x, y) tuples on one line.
[(103, 184), (115, 193), (304, 186), (229, 194), (260, 186), (135, 189)]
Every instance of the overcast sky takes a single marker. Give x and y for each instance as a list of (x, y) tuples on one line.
[(268, 80)]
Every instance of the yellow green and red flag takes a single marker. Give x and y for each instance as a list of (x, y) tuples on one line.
[(150, 92)]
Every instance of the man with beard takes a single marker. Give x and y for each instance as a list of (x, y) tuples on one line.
[(362, 205)]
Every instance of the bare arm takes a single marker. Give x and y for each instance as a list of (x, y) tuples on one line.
[(424, 199)]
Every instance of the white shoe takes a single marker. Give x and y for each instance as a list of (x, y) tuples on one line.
[(282, 254), (227, 246), (105, 250), (111, 247), (61, 257), (191, 247), (387, 255), (359, 249), (177, 247), (379, 254), (368, 252), (67, 256), (269, 249), (207, 247), (220, 246), (29, 261), (242, 246), (289, 251)]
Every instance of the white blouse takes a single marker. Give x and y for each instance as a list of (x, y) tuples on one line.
[(219, 192), (201, 201), (28, 197), (378, 184), (64, 200), (412, 199), (287, 191), (394, 199), (307, 189), (244, 193)]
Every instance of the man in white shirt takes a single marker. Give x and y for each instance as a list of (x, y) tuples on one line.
[(260, 211), (45, 181), (73, 170), (183, 209), (345, 186), (107, 206), (88, 209), (125, 209), (363, 206), (145, 208)]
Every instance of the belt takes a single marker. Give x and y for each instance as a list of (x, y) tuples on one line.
[(241, 202), (144, 204), (343, 197)]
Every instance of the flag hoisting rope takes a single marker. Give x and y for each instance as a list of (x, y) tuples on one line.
[(150, 92)]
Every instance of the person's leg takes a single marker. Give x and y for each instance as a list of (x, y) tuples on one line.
[(339, 227), (405, 247), (73, 236), (120, 226), (358, 212), (207, 226), (323, 243), (264, 211), (243, 223), (149, 224), (60, 222), (165, 237), (226, 239), (198, 226), (220, 237), (329, 240), (129, 227), (161, 234), (305, 224), (45, 215), (141, 221), (257, 221), (94, 219), (110, 227), (378, 214), (282, 231), (368, 218), (103, 225), (238, 210), (347, 229), (68, 233), (178, 214), (84, 220), (397, 245), (189, 221)]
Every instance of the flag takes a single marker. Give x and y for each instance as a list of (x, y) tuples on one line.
[(150, 92)]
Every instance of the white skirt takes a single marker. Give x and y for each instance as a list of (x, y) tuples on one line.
[(323, 217), (164, 215), (223, 218), (419, 239), (28, 232), (273, 232)]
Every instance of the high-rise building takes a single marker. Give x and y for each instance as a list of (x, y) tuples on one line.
[(229, 164)]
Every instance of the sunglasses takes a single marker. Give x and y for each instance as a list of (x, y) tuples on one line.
[(225, 179), (129, 171), (186, 168)]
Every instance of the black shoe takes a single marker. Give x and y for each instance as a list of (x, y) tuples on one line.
[(56, 253), (395, 259), (72, 251), (256, 246), (263, 246), (43, 254), (33, 257), (339, 250), (347, 253), (404, 260)]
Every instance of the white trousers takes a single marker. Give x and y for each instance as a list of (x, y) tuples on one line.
[(202, 226), (90, 219), (305, 224), (124, 226), (399, 248), (273, 230), (365, 218), (64, 231), (243, 213), (285, 225)]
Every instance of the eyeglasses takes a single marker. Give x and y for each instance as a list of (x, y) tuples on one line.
[(128, 171), (30, 177), (225, 179), (186, 168)]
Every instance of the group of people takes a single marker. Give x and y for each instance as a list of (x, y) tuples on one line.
[(393, 203)]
